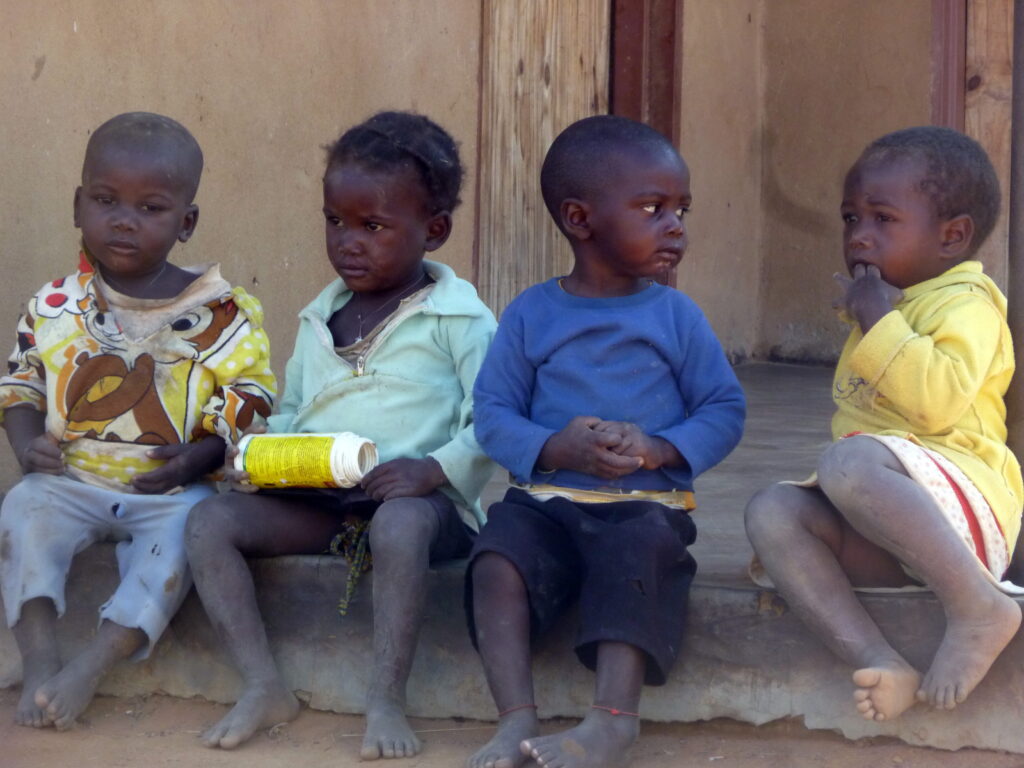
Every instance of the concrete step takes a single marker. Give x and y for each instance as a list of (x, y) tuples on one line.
[(745, 656)]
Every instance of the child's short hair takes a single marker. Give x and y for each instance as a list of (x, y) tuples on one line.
[(148, 130), (389, 141), (578, 159), (958, 175)]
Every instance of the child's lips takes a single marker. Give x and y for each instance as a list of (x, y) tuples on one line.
[(122, 246), (670, 255)]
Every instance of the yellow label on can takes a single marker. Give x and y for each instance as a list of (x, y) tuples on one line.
[(278, 462)]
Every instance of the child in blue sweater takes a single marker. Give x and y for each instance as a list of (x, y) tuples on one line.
[(604, 394)]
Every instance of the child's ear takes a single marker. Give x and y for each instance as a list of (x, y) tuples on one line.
[(957, 234), (438, 229), (576, 218), (188, 223), (78, 201)]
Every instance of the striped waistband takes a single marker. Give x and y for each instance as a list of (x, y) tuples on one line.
[(677, 499)]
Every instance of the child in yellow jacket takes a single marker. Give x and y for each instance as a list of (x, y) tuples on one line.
[(919, 485)]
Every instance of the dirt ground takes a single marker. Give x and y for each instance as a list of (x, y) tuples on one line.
[(160, 732)]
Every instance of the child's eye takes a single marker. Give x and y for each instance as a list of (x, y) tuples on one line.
[(334, 221), (374, 226), (152, 207), (849, 218), (652, 208), (883, 217), (104, 199), (682, 211)]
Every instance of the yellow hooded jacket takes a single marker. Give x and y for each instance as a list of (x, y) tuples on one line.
[(935, 370)]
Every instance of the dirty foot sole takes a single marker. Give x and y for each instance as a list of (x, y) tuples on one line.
[(886, 691)]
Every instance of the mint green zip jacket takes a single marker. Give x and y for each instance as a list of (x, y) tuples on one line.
[(412, 392)]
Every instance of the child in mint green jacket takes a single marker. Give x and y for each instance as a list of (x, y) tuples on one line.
[(390, 351)]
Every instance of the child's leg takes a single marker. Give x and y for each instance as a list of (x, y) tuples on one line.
[(35, 634), (154, 580), (405, 535), (870, 487), (45, 520), (813, 555), (66, 695), (611, 727), (501, 615), (221, 532)]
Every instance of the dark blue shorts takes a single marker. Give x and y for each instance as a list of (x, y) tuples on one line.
[(625, 562)]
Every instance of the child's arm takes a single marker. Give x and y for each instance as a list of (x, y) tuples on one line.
[(35, 449), (23, 403), (932, 374), (243, 391), (715, 404), (460, 462), (502, 405)]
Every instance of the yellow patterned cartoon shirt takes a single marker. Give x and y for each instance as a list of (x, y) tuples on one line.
[(194, 365)]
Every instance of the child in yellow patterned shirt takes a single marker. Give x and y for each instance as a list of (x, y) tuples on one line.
[(126, 380)]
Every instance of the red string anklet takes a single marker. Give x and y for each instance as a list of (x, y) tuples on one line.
[(614, 711), (516, 709)]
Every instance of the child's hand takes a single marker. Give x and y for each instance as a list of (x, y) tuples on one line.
[(185, 463), (581, 447), (403, 477), (236, 479), (866, 296), (654, 452), (42, 454)]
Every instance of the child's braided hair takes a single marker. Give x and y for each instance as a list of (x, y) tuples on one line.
[(389, 141)]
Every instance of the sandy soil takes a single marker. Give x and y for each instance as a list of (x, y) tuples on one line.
[(159, 732)]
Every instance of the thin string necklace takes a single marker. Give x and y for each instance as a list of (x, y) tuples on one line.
[(143, 289), (362, 318)]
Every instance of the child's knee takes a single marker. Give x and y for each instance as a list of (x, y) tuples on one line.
[(773, 512), (210, 520), (494, 571), (403, 526), (851, 466)]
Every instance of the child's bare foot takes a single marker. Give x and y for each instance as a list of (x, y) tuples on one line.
[(35, 672), (602, 740), (260, 706), (388, 733), (67, 694), (885, 691), (503, 750), (968, 649)]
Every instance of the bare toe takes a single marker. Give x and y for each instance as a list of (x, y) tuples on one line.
[(969, 647), (388, 733), (260, 706)]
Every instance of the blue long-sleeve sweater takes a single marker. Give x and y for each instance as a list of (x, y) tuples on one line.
[(649, 358)]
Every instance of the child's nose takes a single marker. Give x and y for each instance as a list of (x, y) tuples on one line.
[(123, 218), (857, 236), (345, 239)]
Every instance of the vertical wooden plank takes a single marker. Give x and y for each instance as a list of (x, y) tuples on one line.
[(1015, 278), (545, 65), (989, 82), (949, 50)]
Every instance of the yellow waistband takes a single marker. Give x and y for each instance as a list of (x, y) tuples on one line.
[(676, 499)]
